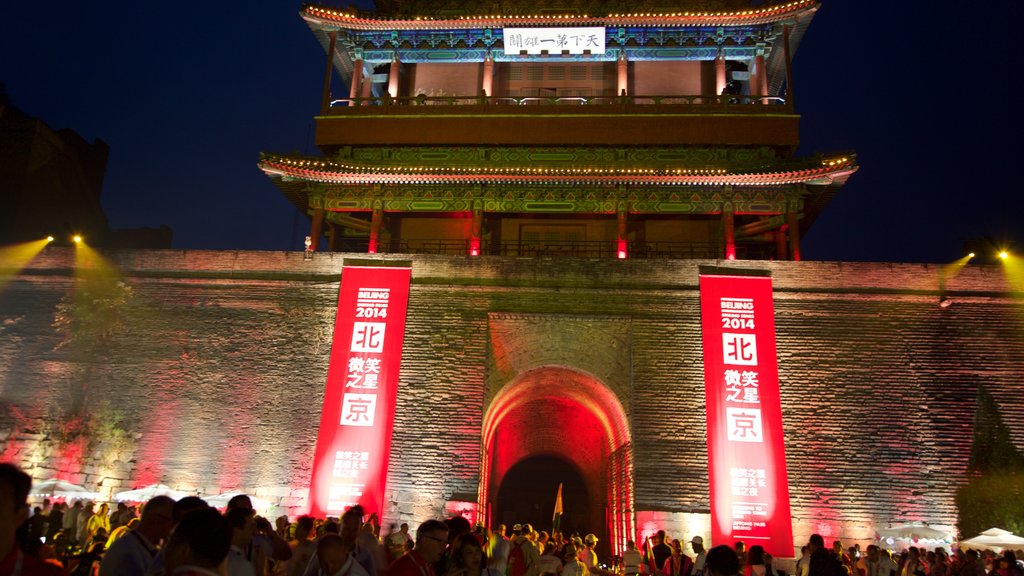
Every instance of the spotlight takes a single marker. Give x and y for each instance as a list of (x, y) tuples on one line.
[(971, 255), (1003, 254), (77, 238), (49, 238)]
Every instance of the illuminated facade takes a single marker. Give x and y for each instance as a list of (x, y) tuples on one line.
[(584, 369), (581, 131)]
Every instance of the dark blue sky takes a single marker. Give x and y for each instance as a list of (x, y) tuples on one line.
[(188, 95)]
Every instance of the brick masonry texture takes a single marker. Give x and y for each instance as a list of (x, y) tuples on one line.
[(210, 374)]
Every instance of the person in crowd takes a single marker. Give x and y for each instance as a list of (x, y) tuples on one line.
[(70, 524), (242, 523), (697, 543), (842, 556), (887, 566), (550, 564), (81, 535), (938, 563), (457, 526), (660, 551), (822, 562), (914, 563), (368, 541), (678, 564), (755, 565), (335, 558), (740, 547), (468, 556), (15, 486), (99, 521), (56, 523), (37, 523), (303, 547), (632, 559), (523, 559), (266, 544), (573, 566), (972, 564), (804, 561), (199, 545), (588, 555), (398, 541), (132, 555), (499, 546), (722, 561), (431, 539)]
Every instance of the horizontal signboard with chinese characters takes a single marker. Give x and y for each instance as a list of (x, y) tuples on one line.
[(553, 40), (350, 464), (749, 487)]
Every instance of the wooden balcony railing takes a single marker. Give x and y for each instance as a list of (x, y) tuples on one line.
[(730, 103), (579, 249)]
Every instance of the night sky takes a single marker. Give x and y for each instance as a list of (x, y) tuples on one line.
[(188, 95)]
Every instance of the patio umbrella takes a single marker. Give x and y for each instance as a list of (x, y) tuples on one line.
[(54, 488), (994, 539), (147, 493), (221, 500)]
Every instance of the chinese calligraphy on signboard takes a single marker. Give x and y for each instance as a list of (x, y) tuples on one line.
[(746, 456), (553, 40), (350, 463)]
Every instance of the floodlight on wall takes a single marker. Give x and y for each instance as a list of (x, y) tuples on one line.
[(77, 239), (50, 238)]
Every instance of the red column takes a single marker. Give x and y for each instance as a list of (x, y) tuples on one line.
[(794, 235), (720, 72), (623, 85), (375, 221), (622, 242), (781, 250), (475, 231), (393, 76), (487, 85), (790, 101), (762, 76), (729, 233), (317, 229), (325, 100), (357, 79)]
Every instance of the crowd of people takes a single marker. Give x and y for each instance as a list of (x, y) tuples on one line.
[(189, 538)]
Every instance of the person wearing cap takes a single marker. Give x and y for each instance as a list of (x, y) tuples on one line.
[(587, 554), (531, 557), (697, 543)]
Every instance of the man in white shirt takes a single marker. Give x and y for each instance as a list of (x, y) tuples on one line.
[(697, 543), (132, 554)]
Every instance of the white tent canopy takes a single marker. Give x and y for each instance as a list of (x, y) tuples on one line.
[(994, 539), (914, 530), (54, 488), (221, 500), (147, 493)]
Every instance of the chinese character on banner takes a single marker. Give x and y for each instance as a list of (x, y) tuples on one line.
[(739, 349), (358, 409), (744, 424), (368, 337)]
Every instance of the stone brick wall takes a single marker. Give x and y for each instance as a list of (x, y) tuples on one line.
[(205, 371)]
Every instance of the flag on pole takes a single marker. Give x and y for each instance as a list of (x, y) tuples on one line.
[(556, 520)]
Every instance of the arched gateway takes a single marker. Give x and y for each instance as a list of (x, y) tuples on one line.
[(558, 424)]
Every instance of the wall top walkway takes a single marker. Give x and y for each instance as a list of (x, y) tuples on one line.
[(548, 272)]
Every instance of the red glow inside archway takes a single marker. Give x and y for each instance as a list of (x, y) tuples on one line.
[(571, 415)]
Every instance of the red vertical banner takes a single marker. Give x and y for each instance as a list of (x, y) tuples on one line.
[(350, 465), (746, 456)]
